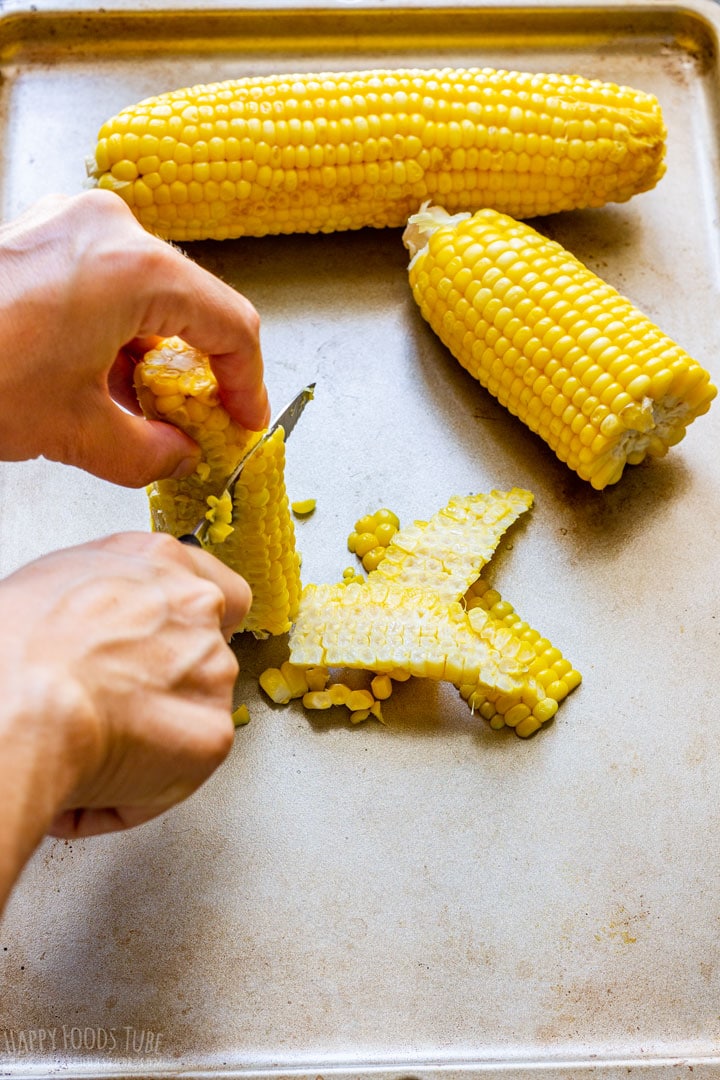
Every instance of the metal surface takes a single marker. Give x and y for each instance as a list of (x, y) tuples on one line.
[(426, 898), (287, 419)]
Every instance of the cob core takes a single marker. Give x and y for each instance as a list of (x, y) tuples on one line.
[(559, 347), (342, 150)]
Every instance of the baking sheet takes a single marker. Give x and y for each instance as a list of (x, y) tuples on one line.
[(429, 897)]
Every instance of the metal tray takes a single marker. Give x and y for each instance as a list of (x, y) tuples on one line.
[(427, 898)]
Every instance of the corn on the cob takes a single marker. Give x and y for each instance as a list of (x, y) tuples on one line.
[(254, 535), (343, 150), (559, 347)]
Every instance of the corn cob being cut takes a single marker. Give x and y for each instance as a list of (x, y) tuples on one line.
[(560, 348), (254, 532), (342, 150)]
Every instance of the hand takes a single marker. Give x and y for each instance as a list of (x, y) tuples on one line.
[(80, 282), (117, 682)]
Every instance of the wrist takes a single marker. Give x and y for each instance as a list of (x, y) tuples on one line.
[(49, 739)]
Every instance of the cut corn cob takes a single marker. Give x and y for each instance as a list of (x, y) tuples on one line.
[(560, 348), (254, 534), (343, 150)]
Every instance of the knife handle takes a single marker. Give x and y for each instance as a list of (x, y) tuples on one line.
[(188, 538)]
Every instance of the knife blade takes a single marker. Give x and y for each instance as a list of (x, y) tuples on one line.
[(287, 420)]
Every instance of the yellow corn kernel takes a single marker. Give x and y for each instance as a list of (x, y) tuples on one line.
[(241, 716), (339, 693), (317, 699), (295, 678), (359, 699), (274, 685), (343, 150), (359, 715), (601, 384), (303, 507), (252, 532), (372, 558), (363, 543), (381, 687), (317, 677)]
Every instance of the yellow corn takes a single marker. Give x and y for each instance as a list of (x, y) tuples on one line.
[(448, 552), (425, 611), (549, 678), (560, 348), (380, 626), (343, 150), (254, 533)]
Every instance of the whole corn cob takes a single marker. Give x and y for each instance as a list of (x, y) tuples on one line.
[(343, 150), (253, 533), (560, 348)]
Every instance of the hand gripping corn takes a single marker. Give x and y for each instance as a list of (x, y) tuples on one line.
[(342, 150), (254, 535), (560, 348)]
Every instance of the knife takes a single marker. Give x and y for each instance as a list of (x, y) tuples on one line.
[(287, 420)]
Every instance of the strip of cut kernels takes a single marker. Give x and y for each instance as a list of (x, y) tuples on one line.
[(344, 150), (448, 552), (381, 626), (559, 347)]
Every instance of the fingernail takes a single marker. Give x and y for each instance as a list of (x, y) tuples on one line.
[(186, 467)]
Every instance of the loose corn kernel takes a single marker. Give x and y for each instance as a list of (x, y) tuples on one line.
[(359, 699), (295, 679), (372, 558), (381, 687), (241, 716), (317, 677), (317, 699), (303, 507), (324, 151), (564, 376), (274, 685), (339, 693)]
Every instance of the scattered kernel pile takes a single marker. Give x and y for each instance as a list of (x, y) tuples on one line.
[(342, 150), (423, 610)]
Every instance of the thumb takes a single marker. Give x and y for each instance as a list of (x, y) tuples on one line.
[(132, 451)]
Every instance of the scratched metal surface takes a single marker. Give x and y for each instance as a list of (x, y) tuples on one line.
[(429, 897)]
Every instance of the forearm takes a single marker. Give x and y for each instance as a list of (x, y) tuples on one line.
[(42, 745)]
